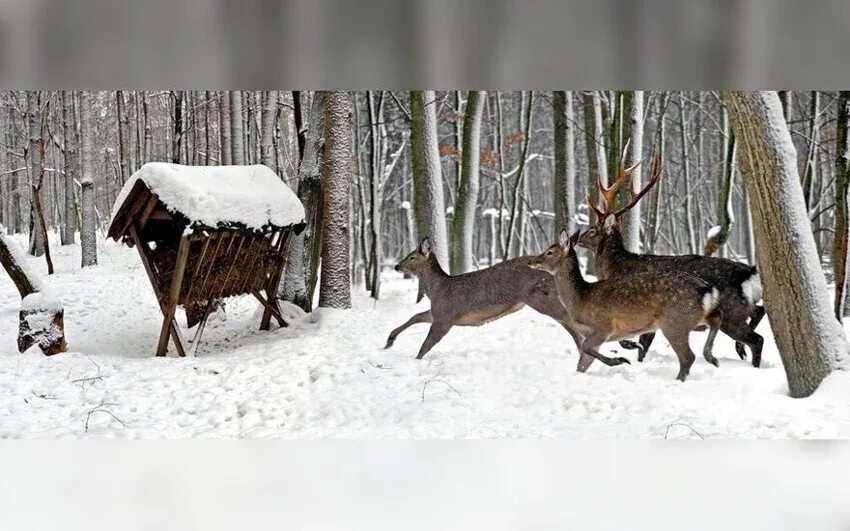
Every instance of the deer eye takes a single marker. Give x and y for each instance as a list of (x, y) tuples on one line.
[(549, 252)]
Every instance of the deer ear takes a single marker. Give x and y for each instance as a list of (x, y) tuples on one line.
[(574, 238), (425, 246), (609, 223), (563, 238)]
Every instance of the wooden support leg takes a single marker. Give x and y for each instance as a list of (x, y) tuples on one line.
[(173, 295), (272, 309)]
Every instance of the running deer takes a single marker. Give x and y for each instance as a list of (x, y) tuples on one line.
[(621, 307), (738, 284), (475, 298)]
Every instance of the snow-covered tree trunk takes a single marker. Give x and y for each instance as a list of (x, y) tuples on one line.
[(428, 206), (686, 177), (269, 121), (224, 144), (842, 183), (123, 132), (719, 235), (463, 221), (88, 238), (564, 151), (302, 266), (148, 147), (809, 339), (335, 288), (35, 170), (41, 319), (630, 221), (69, 226), (236, 128)]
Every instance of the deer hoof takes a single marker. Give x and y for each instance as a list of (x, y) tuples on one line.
[(390, 342), (622, 361), (712, 360), (740, 350)]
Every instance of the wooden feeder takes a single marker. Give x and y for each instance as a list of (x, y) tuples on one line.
[(205, 233)]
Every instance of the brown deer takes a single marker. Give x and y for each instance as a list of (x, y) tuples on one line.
[(738, 284), (475, 298), (624, 306)]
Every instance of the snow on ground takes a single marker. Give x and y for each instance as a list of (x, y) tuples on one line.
[(328, 376)]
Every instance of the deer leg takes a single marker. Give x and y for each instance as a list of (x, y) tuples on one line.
[(679, 342), (755, 319), (438, 330), (742, 333), (642, 344), (714, 322), (422, 317), (588, 347)]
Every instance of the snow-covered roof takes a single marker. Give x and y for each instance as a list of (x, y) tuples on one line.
[(212, 196)]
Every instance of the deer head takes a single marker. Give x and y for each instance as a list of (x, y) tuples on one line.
[(417, 260), (607, 216), (556, 255)]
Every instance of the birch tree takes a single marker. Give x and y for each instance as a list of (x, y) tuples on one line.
[(428, 206), (335, 288), (88, 238), (463, 221), (630, 221), (810, 341)]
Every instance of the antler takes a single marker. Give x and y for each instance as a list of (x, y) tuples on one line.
[(635, 197), (609, 194)]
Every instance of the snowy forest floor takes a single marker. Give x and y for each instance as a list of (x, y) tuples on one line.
[(328, 375)]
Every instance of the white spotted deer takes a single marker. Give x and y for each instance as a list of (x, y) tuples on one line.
[(623, 306), (738, 284), (478, 297)]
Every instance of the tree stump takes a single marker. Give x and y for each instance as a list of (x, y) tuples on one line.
[(41, 323)]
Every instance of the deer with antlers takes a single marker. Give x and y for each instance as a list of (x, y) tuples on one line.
[(738, 284), (478, 297), (622, 306)]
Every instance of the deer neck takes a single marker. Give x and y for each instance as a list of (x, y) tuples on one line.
[(432, 277), (612, 250), (569, 282)]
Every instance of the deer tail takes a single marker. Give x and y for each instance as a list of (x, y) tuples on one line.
[(710, 300), (751, 288)]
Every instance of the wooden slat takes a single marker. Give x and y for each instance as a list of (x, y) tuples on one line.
[(274, 282), (144, 255), (174, 293)]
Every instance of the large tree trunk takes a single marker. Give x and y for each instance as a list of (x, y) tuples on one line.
[(224, 143), (302, 267), (463, 222), (88, 228), (597, 166), (810, 341), (633, 130), (70, 207), (842, 182), (335, 288), (236, 128), (428, 206), (269, 121)]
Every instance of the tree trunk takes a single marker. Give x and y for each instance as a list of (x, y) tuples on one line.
[(148, 148), (516, 234), (810, 341), (377, 142), (720, 234), (302, 269), (269, 119), (236, 128), (633, 121), (224, 143), (123, 132), (842, 183), (88, 238), (177, 123), (564, 150), (68, 130), (686, 177), (463, 221), (335, 288), (428, 206), (35, 171), (652, 226)]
